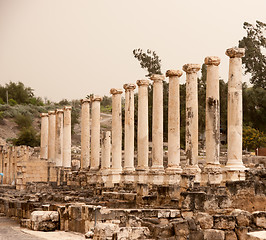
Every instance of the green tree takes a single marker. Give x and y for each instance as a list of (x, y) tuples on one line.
[(255, 46), (253, 138), (148, 60), (28, 137)]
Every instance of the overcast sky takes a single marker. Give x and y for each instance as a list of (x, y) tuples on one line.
[(71, 48)]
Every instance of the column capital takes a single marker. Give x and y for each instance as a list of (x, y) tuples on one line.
[(191, 68), (59, 111), (44, 114), (157, 77), (129, 87), (115, 91), (171, 73), (67, 108), (235, 52), (85, 100), (143, 82), (51, 112), (212, 60), (96, 98)]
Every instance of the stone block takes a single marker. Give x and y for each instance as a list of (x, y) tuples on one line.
[(181, 228), (241, 233), (105, 230), (260, 218), (205, 220), (224, 222), (230, 235), (163, 213), (212, 234), (243, 218), (44, 220), (131, 233), (26, 223)]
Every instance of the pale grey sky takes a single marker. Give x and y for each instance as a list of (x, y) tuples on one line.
[(71, 48)]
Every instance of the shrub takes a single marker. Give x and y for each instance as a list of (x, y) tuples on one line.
[(12, 102), (23, 121), (28, 137), (253, 138), (2, 101)]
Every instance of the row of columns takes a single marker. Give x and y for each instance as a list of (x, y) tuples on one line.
[(90, 149), (56, 136)]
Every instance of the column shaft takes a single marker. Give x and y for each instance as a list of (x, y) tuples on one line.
[(67, 137), (106, 150), (51, 136), (143, 125), (44, 136), (95, 132), (85, 133), (174, 120), (59, 137), (157, 122), (212, 112), (129, 127), (116, 130), (235, 115), (191, 116)]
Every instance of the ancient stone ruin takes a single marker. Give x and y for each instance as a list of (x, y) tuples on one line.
[(115, 194)]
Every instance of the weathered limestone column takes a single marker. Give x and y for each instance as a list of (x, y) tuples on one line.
[(116, 131), (85, 133), (44, 135), (212, 112), (234, 117), (67, 137), (59, 128), (106, 150), (191, 118), (212, 170), (174, 121), (143, 128), (157, 123), (95, 132), (51, 136), (129, 127)]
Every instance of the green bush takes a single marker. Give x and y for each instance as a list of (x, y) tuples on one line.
[(28, 137), (2, 101), (253, 138), (23, 121), (12, 102)]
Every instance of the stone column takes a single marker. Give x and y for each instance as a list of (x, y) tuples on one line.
[(191, 118), (129, 127), (116, 130), (95, 132), (234, 115), (67, 137), (143, 125), (51, 136), (174, 121), (106, 150), (44, 135), (85, 133), (157, 123), (212, 112), (59, 128)]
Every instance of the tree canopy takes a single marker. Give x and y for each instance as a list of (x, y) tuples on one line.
[(255, 56)]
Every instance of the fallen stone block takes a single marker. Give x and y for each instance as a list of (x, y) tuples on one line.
[(212, 234), (105, 230), (125, 233), (205, 220), (260, 218), (44, 220), (224, 222)]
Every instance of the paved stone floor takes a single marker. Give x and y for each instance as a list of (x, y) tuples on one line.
[(10, 230)]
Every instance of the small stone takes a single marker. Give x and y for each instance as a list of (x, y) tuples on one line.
[(205, 220), (212, 234), (89, 235)]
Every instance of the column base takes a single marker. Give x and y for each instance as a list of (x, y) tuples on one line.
[(104, 174), (233, 175), (114, 177), (128, 176), (142, 176), (211, 174), (156, 177), (174, 170), (172, 177), (193, 170)]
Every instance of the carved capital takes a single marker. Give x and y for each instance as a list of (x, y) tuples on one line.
[(115, 91), (129, 87), (44, 114), (85, 100), (59, 111), (143, 82), (212, 60), (67, 108), (191, 68), (235, 52), (171, 73), (51, 112), (96, 98), (157, 77)]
